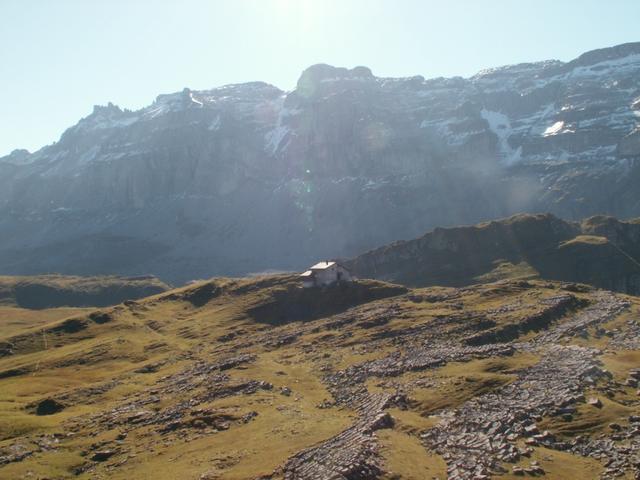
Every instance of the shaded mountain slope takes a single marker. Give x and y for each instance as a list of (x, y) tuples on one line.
[(248, 178), (50, 291), (234, 379), (601, 251)]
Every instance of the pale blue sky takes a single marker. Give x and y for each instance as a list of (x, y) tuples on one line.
[(60, 57)]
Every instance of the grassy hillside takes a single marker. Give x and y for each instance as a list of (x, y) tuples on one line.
[(51, 291), (259, 378), (601, 251)]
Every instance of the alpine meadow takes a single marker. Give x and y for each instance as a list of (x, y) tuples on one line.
[(416, 257)]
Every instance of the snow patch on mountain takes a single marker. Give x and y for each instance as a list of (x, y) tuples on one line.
[(603, 68), (553, 129), (106, 117), (500, 125), (215, 124), (195, 100), (274, 137)]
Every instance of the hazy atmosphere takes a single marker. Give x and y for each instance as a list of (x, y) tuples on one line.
[(62, 57), (319, 240)]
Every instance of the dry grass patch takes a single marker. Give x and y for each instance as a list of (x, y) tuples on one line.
[(508, 271), (14, 320), (56, 464), (455, 383), (588, 419), (558, 466), (619, 363), (405, 458)]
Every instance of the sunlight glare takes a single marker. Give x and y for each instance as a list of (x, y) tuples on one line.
[(300, 14)]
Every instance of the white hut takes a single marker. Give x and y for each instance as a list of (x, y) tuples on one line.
[(325, 273)]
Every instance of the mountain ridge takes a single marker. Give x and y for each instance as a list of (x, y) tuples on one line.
[(588, 58), (247, 178), (601, 251)]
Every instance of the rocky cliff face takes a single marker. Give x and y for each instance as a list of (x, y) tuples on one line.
[(247, 177), (601, 251)]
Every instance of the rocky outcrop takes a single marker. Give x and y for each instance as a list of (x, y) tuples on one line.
[(352, 454), (601, 251)]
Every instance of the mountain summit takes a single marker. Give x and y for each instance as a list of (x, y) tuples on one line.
[(246, 177)]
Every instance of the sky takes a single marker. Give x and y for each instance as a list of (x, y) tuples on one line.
[(58, 58)]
